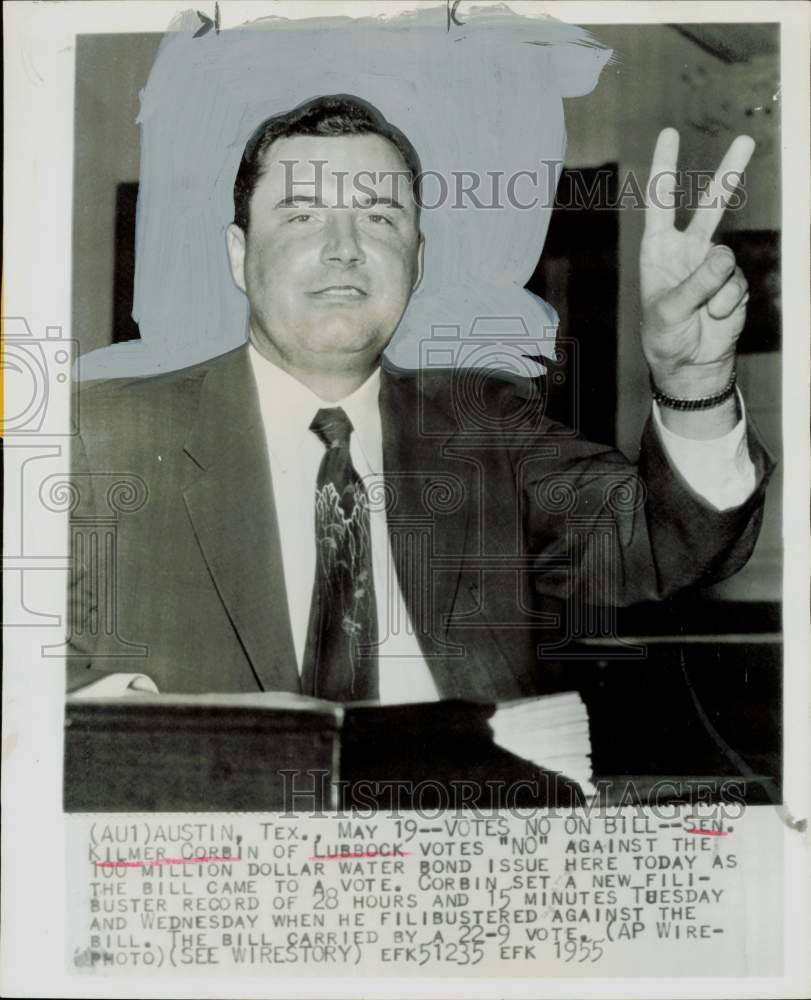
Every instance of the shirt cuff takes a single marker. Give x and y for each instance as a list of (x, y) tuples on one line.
[(719, 470), (116, 685)]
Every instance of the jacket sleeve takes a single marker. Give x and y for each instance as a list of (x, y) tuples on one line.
[(619, 533), (81, 598), (93, 649)]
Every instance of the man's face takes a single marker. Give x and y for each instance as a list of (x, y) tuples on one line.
[(332, 253)]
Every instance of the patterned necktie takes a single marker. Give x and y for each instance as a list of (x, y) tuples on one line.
[(340, 659)]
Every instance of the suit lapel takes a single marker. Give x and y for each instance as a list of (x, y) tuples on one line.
[(428, 520), (229, 499)]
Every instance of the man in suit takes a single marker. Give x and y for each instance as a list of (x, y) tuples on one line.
[(313, 523)]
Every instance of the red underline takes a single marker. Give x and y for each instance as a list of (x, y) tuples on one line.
[(160, 861), (710, 833), (362, 854)]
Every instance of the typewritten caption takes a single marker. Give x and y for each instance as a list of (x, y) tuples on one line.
[(549, 893)]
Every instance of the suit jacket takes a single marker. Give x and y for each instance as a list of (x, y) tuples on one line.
[(493, 513)]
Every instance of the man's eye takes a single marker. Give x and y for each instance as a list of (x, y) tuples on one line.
[(302, 217), (377, 218)]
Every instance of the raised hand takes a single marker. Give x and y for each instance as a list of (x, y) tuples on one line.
[(693, 294)]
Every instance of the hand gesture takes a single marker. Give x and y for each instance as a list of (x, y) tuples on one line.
[(693, 294)]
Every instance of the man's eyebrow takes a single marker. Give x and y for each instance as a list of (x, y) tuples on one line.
[(375, 200), (369, 201), (299, 199)]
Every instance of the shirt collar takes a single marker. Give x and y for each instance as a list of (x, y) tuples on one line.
[(288, 407)]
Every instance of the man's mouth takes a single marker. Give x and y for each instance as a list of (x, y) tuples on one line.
[(339, 292)]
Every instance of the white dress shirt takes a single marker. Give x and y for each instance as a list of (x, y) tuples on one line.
[(720, 471), (295, 454)]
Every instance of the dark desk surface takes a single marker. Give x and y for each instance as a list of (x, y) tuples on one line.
[(694, 719), (691, 706)]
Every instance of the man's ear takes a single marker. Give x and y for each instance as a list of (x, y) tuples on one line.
[(420, 263), (235, 241)]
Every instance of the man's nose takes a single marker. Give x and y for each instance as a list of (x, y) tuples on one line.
[(342, 244)]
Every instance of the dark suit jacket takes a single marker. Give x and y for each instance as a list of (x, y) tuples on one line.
[(493, 512)]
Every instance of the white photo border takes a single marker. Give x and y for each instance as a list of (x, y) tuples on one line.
[(39, 46)]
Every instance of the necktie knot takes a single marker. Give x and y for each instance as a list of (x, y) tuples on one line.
[(332, 426)]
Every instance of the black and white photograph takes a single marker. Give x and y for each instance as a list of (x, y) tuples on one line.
[(406, 550)]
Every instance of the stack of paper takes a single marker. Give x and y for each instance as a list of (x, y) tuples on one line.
[(551, 731)]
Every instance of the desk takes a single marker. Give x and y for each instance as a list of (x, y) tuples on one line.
[(686, 722), (695, 706)]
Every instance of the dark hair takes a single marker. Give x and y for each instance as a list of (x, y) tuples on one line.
[(335, 115)]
